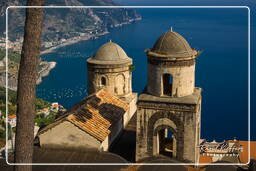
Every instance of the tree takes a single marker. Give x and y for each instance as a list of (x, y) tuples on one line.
[(27, 85)]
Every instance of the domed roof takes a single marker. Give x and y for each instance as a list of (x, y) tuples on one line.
[(109, 53), (172, 44)]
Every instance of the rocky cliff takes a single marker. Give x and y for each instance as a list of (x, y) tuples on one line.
[(64, 23)]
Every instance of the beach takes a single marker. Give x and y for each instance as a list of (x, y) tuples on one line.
[(72, 41)]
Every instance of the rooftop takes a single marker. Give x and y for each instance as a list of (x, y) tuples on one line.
[(12, 116), (109, 53), (172, 44), (244, 155), (95, 114), (60, 156)]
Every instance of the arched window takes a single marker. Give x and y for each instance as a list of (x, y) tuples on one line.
[(103, 81)]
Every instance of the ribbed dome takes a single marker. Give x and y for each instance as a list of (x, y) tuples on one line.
[(109, 53), (172, 44)]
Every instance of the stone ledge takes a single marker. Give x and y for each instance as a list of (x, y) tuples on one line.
[(192, 99)]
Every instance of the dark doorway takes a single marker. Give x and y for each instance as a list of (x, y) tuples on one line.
[(165, 137), (167, 84)]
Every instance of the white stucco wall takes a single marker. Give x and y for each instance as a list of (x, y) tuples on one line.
[(68, 135)]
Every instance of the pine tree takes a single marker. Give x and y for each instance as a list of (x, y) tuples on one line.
[(27, 85)]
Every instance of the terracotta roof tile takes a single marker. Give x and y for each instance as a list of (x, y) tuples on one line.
[(244, 156), (203, 159), (12, 116), (95, 114)]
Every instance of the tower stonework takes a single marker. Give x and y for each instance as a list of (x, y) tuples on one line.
[(169, 109), (110, 69)]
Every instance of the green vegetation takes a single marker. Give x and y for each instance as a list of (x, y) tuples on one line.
[(11, 99), (2, 133), (2, 138), (11, 95), (2, 130), (68, 23), (132, 67), (199, 52), (40, 104), (12, 56), (42, 121), (2, 54)]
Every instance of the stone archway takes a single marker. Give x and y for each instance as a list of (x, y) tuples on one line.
[(162, 144), (160, 121)]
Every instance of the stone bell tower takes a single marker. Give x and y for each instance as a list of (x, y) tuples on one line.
[(169, 110), (110, 69)]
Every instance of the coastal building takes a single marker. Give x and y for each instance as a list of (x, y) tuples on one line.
[(170, 104), (234, 151), (110, 69), (167, 121), (12, 120), (46, 111), (163, 125), (98, 120), (54, 106), (93, 123)]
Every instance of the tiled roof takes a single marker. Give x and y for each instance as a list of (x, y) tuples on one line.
[(95, 114), (203, 159), (12, 116), (244, 156)]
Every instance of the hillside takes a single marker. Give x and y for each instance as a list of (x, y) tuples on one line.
[(41, 118), (44, 68), (67, 22)]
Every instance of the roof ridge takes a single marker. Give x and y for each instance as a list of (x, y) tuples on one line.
[(160, 47), (181, 40), (116, 48), (88, 116)]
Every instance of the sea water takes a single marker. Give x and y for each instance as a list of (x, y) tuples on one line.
[(221, 69)]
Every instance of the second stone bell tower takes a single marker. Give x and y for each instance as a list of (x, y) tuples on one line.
[(171, 67), (110, 69), (169, 112)]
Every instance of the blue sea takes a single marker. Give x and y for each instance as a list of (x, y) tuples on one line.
[(221, 69)]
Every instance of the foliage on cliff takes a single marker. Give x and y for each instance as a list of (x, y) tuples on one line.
[(40, 103), (12, 56), (67, 22)]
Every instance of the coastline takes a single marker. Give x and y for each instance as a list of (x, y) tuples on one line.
[(45, 71), (85, 37), (13, 81), (72, 41)]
